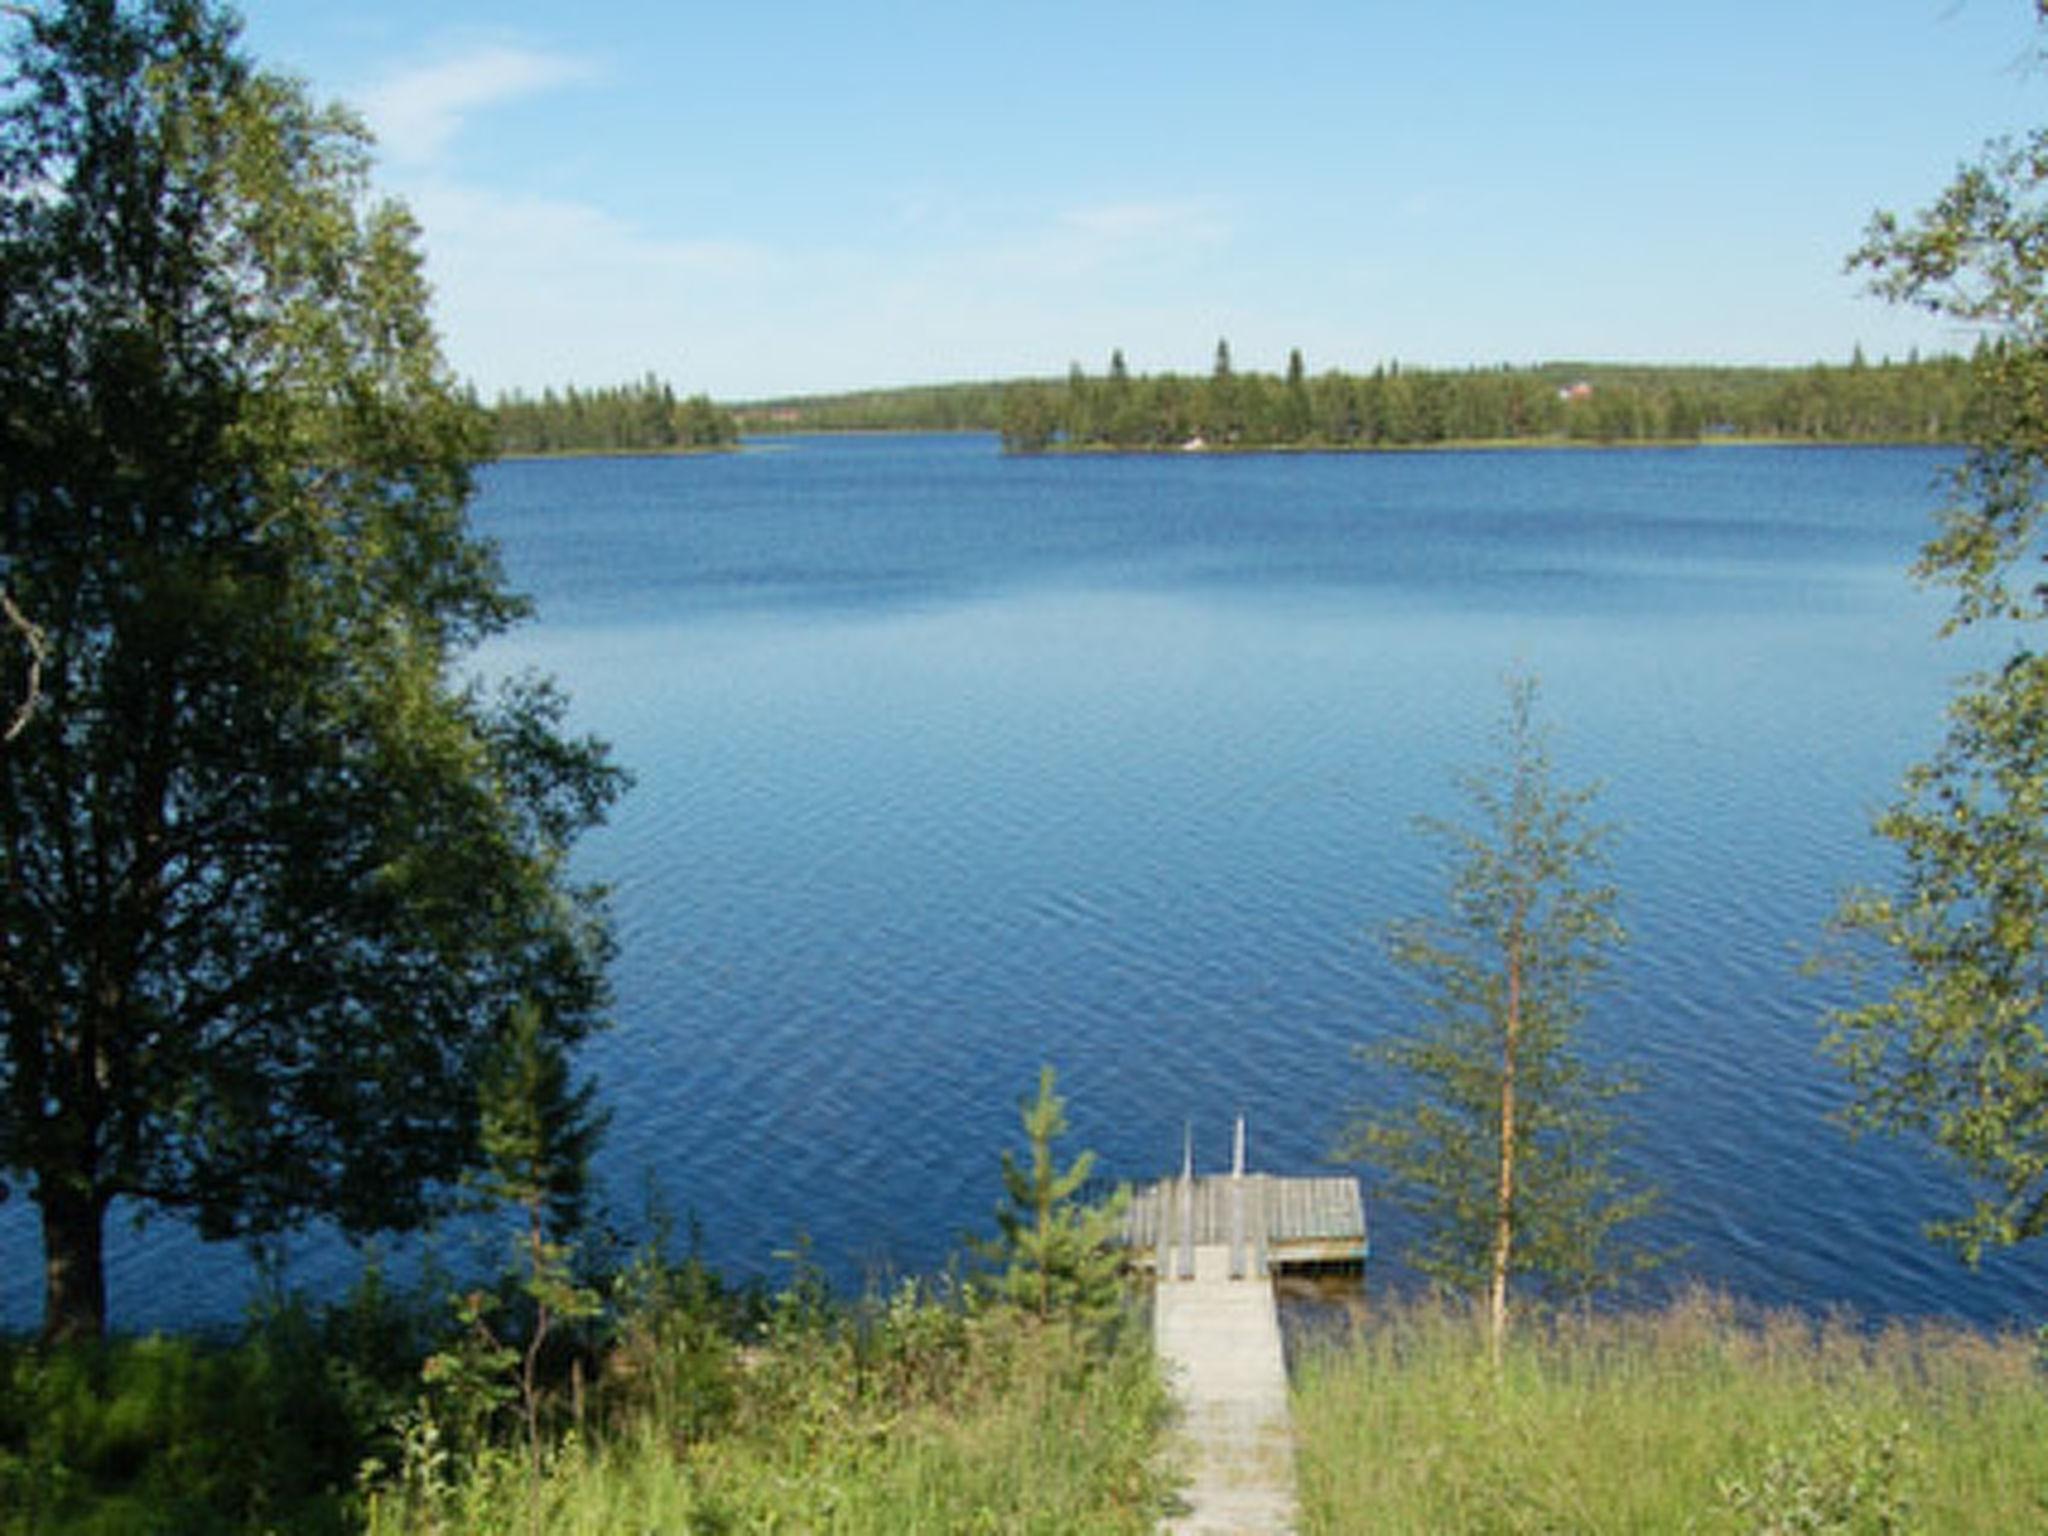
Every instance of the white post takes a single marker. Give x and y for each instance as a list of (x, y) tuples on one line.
[(1187, 1194), (1237, 1255)]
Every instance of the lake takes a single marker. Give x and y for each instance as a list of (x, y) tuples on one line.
[(950, 764)]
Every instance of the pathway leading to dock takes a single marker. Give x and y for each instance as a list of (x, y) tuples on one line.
[(1219, 1340)]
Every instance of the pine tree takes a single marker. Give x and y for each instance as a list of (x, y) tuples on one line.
[(1058, 1253), (538, 1129)]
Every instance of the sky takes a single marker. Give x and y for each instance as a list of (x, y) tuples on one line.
[(754, 199)]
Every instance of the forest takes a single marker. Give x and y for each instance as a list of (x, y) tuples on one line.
[(643, 417), (913, 408), (1916, 401), (1394, 406)]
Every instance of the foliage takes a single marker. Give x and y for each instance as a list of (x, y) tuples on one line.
[(537, 1133), (908, 1413), (1030, 418), (1397, 407), (156, 1433), (644, 417), (913, 408), (1058, 1253), (273, 873), (1505, 1147), (1846, 1479), (709, 1408), (1956, 1051), (537, 1130), (1689, 1417)]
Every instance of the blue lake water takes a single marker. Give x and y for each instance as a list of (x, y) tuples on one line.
[(949, 765)]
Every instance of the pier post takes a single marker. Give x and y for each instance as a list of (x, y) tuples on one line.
[(1237, 1254), (1261, 1222), (1187, 1198)]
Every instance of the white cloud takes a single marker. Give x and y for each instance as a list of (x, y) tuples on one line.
[(535, 291), (1117, 224), (1084, 240), (417, 112)]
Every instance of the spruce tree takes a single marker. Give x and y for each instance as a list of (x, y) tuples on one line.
[(1058, 1253)]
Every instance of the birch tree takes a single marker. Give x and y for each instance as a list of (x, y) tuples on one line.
[(274, 871), (1487, 1118), (1953, 1051)]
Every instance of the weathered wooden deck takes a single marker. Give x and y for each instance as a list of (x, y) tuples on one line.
[(1264, 1222)]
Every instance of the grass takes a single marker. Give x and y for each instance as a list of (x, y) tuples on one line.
[(630, 1393), (689, 1406), (911, 1417), (1684, 1419)]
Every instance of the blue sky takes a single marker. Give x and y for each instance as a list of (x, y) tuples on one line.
[(754, 199)]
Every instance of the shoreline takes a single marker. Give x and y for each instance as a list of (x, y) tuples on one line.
[(1472, 445), (1229, 451)]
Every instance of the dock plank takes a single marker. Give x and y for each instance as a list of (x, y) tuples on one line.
[(1219, 1340), (1293, 1221)]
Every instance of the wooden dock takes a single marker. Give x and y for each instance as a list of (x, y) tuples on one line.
[(1214, 1243), (1265, 1223), (1218, 1338)]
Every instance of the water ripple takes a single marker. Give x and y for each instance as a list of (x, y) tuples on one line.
[(1006, 766)]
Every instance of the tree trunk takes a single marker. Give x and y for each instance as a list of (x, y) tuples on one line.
[(74, 1262), (1504, 1191)]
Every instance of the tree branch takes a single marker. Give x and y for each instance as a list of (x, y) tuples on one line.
[(32, 637)]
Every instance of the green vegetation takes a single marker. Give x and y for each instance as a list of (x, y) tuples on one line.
[(1685, 1419), (1057, 1255), (285, 932), (914, 408), (680, 1405), (1956, 1051), (635, 418), (649, 1397), (1504, 1144), (1396, 407), (276, 874), (915, 1415)]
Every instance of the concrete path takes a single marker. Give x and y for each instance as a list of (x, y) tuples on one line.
[(1219, 1340)]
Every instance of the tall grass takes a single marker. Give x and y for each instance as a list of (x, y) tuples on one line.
[(914, 1417), (1685, 1419), (691, 1406), (264, 1432)]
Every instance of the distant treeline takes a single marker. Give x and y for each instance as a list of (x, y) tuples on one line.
[(1915, 401), (634, 418), (1911, 402), (916, 408)]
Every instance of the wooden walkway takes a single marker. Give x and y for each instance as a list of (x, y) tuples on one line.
[(1219, 1340), (1214, 1243)]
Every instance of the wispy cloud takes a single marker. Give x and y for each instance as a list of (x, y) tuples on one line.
[(416, 112), (1086, 239), (1146, 222), (541, 290), (536, 291)]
